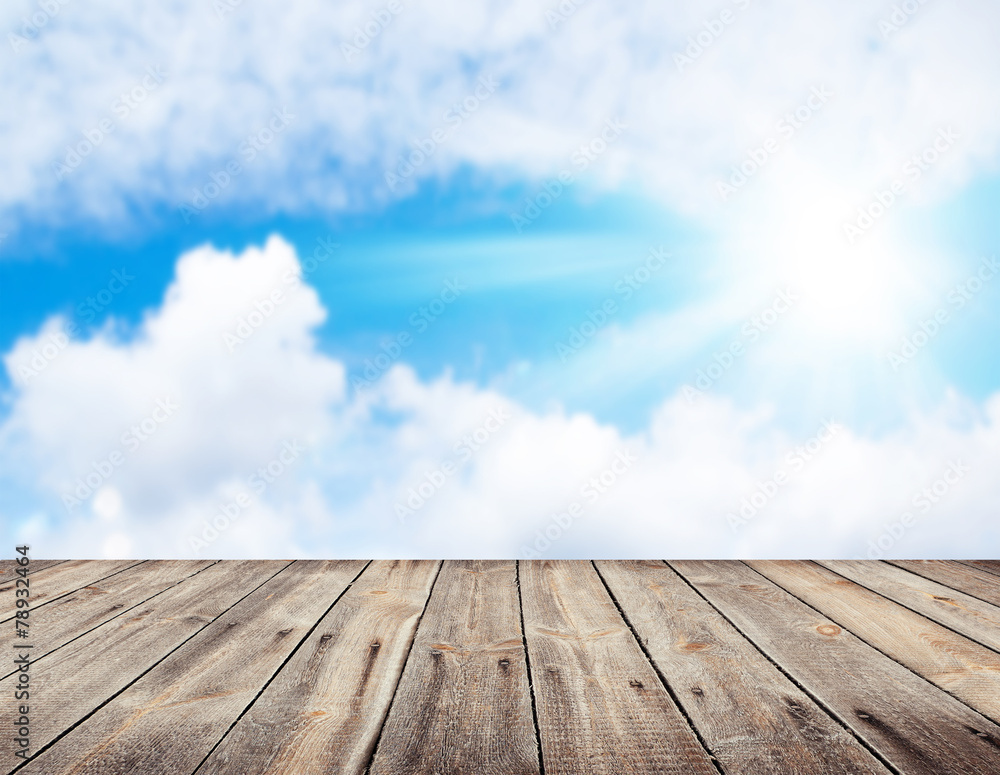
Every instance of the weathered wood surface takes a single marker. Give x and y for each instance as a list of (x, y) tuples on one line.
[(463, 704), (753, 719), (91, 669), (911, 724), (48, 584), (76, 613), (8, 569), (993, 566), (967, 670), (324, 711), (601, 706), (959, 576), (967, 615), (203, 686), (392, 667)]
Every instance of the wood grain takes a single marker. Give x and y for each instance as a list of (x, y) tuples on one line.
[(991, 566), (203, 686), (254, 666), (967, 615), (323, 712), (601, 706), (72, 615), (79, 677), (914, 726), (8, 568), (463, 704), (51, 583), (961, 667), (957, 575), (753, 719)]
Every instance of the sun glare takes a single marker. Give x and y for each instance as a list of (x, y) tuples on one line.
[(850, 289)]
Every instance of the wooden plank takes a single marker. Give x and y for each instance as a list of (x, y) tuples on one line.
[(965, 614), (324, 710), (72, 615), (203, 686), (600, 704), (464, 704), (7, 568), (80, 676), (752, 718), (992, 566), (9, 577), (914, 726), (961, 667), (54, 582), (971, 581)]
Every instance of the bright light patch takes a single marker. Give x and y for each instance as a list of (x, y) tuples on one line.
[(107, 504), (117, 545), (856, 291), (847, 291)]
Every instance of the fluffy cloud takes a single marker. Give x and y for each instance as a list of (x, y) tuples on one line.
[(358, 112), (209, 387), (219, 420)]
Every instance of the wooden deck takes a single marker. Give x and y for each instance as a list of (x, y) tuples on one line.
[(393, 667)]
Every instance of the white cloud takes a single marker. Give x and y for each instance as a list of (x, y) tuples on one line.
[(225, 76), (320, 471), (173, 411)]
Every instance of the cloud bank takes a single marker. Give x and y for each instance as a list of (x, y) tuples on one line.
[(218, 427), (373, 90)]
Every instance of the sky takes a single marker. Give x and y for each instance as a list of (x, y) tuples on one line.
[(578, 280)]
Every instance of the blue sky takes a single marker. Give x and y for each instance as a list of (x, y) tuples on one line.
[(704, 261), (524, 291)]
